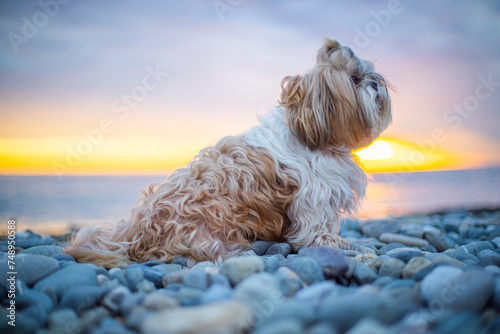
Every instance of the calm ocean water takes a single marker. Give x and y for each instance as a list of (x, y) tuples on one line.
[(46, 205)]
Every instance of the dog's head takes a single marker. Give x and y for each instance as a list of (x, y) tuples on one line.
[(342, 102)]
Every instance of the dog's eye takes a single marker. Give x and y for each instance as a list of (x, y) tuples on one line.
[(355, 79)]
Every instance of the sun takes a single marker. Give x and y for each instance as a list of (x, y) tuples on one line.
[(378, 150), (397, 155)]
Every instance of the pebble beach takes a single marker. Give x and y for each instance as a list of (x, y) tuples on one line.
[(433, 273)]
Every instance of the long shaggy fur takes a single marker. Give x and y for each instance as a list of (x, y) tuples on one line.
[(289, 178)]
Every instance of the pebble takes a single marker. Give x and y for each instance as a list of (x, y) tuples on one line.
[(281, 326), (472, 290), (280, 248), (371, 260), (216, 293), (488, 257), (306, 268), (404, 254), (159, 300), (415, 265), (434, 286), (221, 317), (332, 262), (260, 247), (392, 267), (63, 257), (375, 229), (364, 274), (259, 289), (63, 321), (196, 279), (441, 242), (30, 268), (77, 275), (43, 250), (238, 268), (82, 298), (403, 239)]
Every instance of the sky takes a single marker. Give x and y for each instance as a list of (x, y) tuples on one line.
[(135, 87)]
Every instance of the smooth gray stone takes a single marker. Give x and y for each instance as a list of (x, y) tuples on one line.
[(238, 268), (403, 239), (281, 326), (111, 326), (375, 229), (331, 261), (134, 276), (152, 263), (364, 274), (271, 264), (461, 323), (30, 268), (75, 275), (205, 265), (315, 293), (190, 296), (390, 246), (383, 281), (496, 295), (216, 293), (114, 299), (321, 327), (260, 247), (306, 268), (130, 302), (404, 254), (118, 274), (95, 316), (196, 279), (488, 257), (25, 323), (44, 250), (435, 286), (345, 311), (37, 312), (31, 297), (82, 298), (291, 309), (63, 257), (440, 242), (64, 320), (475, 248), (31, 242), (218, 279), (279, 248), (392, 267), (400, 283), (259, 290), (168, 267), (473, 289)]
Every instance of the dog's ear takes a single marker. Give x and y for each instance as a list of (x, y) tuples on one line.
[(305, 110), (329, 45)]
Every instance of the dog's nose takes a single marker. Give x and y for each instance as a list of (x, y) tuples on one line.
[(374, 85)]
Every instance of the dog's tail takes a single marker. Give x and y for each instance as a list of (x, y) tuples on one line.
[(99, 245)]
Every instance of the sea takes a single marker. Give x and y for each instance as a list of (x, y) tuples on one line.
[(48, 205)]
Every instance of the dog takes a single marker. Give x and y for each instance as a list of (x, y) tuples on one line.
[(290, 179)]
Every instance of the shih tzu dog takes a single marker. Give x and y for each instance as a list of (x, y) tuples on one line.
[(289, 179)]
